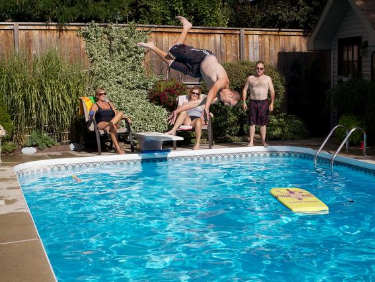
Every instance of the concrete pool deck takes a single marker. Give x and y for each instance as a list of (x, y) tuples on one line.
[(21, 252)]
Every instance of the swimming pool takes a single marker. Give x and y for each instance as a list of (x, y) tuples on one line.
[(205, 217)]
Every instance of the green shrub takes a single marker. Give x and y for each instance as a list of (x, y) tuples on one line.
[(5, 121), (227, 120), (350, 97), (117, 65), (165, 92), (350, 122), (286, 127), (146, 116), (40, 139), (8, 147)]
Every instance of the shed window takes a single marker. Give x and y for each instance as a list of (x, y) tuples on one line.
[(350, 60)]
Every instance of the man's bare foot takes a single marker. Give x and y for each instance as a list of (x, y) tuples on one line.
[(185, 23), (265, 144), (196, 147), (171, 132), (120, 152), (150, 44), (251, 144)]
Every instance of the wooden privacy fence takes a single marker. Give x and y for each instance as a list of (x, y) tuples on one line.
[(228, 44)]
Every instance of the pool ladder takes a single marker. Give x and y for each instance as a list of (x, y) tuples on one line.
[(345, 141)]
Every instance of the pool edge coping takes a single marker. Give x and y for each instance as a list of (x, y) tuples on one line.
[(169, 154)]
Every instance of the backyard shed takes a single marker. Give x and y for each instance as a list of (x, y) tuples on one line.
[(346, 28)]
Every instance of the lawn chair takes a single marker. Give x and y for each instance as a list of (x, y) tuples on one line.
[(91, 127), (181, 100)]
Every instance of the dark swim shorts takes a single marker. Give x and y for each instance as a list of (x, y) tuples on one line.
[(188, 59), (258, 112)]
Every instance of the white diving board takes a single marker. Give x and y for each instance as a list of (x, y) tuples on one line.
[(153, 141)]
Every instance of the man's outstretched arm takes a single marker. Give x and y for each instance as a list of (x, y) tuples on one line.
[(212, 93)]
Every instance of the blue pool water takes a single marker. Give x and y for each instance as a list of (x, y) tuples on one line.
[(205, 221)]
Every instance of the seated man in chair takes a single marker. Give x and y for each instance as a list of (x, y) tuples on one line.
[(193, 117), (107, 118)]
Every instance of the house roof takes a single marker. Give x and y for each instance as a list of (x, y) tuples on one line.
[(368, 10), (332, 16)]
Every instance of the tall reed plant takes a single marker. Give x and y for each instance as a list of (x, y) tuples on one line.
[(41, 93)]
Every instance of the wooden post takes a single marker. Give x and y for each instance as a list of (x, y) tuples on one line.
[(16, 36), (242, 44)]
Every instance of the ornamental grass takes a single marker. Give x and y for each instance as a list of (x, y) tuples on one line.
[(41, 93)]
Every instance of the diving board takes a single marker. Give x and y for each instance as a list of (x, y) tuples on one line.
[(153, 141), (299, 200)]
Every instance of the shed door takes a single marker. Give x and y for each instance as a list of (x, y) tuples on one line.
[(350, 60)]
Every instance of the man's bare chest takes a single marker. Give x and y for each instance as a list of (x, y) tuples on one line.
[(259, 83)]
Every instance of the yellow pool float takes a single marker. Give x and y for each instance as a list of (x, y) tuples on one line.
[(299, 200)]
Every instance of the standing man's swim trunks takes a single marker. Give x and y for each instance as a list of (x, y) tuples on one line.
[(188, 59), (258, 112)]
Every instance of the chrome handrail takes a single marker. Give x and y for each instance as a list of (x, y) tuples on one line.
[(346, 139), (325, 141)]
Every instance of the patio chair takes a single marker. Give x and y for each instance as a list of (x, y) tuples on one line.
[(101, 135), (181, 100)]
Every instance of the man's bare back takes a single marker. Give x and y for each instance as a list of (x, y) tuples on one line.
[(212, 71)]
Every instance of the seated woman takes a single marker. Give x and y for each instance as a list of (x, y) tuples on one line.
[(106, 116), (193, 117)]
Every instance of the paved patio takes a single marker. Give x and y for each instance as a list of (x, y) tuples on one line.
[(22, 255)]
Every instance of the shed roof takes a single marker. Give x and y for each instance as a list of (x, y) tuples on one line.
[(332, 17), (368, 10)]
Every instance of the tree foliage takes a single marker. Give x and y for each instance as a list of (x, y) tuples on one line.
[(64, 11), (302, 14), (232, 13)]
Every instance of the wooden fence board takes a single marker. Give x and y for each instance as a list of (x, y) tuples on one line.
[(271, 47), (256, 41), (257, 44)]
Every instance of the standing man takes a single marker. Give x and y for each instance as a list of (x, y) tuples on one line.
[(259, 85), (198, 63)]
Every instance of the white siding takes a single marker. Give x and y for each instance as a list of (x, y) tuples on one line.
[(351, 26)]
